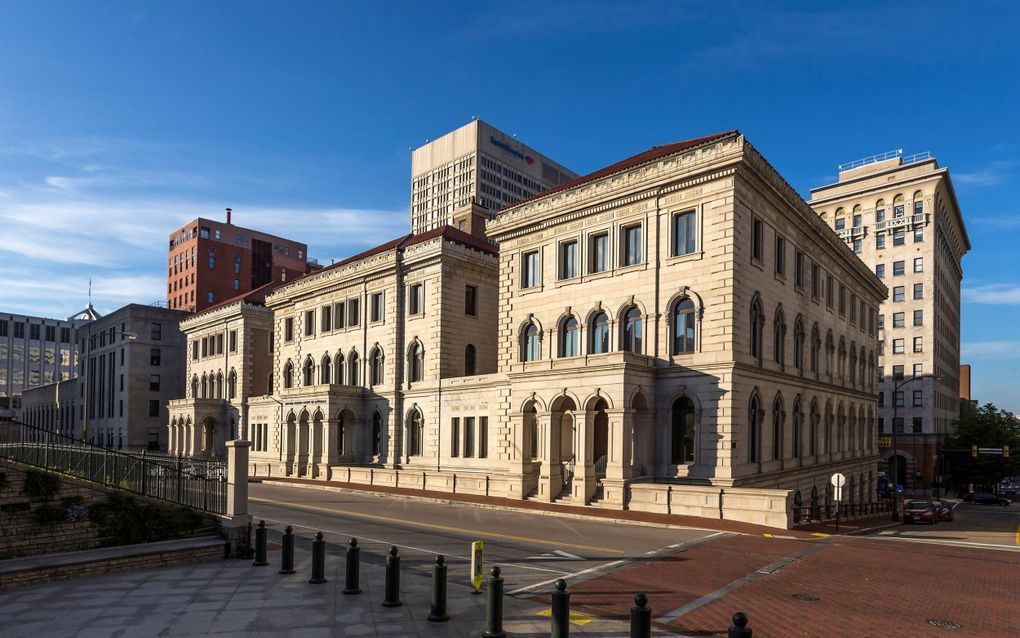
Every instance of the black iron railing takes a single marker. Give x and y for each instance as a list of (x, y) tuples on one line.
[(200, 484)]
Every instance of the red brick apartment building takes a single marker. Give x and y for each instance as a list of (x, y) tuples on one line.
[(211, 261)]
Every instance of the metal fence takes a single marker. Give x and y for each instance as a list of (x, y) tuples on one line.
[(808, 513), (198, 484)]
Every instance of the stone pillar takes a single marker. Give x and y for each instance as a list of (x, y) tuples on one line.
[(584, 473), (235, 523), (549, 479)]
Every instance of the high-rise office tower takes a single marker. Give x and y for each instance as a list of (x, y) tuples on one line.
[(900, 215), (478, 164)]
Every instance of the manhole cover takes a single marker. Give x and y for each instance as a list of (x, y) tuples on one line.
[(807, 597), (943, 624)]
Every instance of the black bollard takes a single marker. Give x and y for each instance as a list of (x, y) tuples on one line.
[(494, 607), (437, 612), (287, 544), (318, 560), (260, 545), (353, 568), (739, 629), (392, 579), (640, 618), (560, 610)]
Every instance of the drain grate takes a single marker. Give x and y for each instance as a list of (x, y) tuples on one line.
[(806, 597), (943, 624)]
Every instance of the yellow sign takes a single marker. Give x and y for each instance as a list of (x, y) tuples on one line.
[(885, 441), (576, 618), (477, 554)]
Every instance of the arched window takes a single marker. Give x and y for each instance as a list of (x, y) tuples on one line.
[(470, 367), (778, 424), (632, 331), (798, 345), (779, 338), (830, 418), (898, 203), (415, 433), (338, 364), (840, 219), (880, 210), (798, 428), (918, 203), (755, 414), (341, 434), (353, 372), (288, 374), (232, 385), (853, 364), (816, 351), (376, 433), (531, 343), (840, 429), (599, 334), (219, 385), (830, 355), (325, 369), (375, 367), (683, 440), (416, 363), (531, 428), (194, 387), (842, 360), (815, 419), (683, 326), (757, 325), (568, 337), (308, 372)]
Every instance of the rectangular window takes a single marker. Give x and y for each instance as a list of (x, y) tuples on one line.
[(881, 374), (842, 300), (897, 211), (881, 321), (309, 323), (205, 347), (529, 269), (918, 264), (154, 356), (918, 369), (881, 424), (857, 245), (880, 270), (918, 344), (219, 343), (798, 267), (153, 382), (568, 260), (471, 300), (880, 215), (455, 437), (897, 320), (232, 341), (210, 297), (33, 331), (879, 241), (897, 237), (918, 234), (194, 350), (339, 315), (857, 221), (898, 293), (898, 399), (19, 330), (631, 245), (780, 256), (288, 329), (758, 239), (918, 291), (897, 373), (483, 437), (153, 408), (897, 425), (881, 399), (416, 299), (684, 236), (51, 333), (3, 327), (377, 308), (829, 292), (354, 309), (816, 281), (840, 223), (237, 284), (469, 436), (918, 421), (898, 267), (918, 398), (599, 251), (918, 317), (897, 346)]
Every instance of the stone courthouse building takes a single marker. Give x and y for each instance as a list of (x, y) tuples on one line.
[(678, 332)]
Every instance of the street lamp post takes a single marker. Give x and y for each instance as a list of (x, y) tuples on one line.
[(895, 455)]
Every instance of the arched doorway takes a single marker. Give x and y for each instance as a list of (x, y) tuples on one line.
[(562, 456), (302, 444), (208, 437), (291, 443), (317, 435), (600, 449)]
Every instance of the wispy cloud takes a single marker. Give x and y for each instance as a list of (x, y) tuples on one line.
[(986, 350), (991, 174), (999, 222), (997, 294)]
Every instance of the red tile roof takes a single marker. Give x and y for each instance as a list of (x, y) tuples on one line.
[(652, 154)]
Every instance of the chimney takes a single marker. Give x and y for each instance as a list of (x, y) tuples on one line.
[(228, 216)]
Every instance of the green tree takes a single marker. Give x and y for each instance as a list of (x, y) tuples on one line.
[(985, 426)]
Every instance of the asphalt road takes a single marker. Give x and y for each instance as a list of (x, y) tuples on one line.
[(532, 549), (988, 526)]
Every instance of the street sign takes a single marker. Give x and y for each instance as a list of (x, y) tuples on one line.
[(477, 554), (838, 480), (990, 450)]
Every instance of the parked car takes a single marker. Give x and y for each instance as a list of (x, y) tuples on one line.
[(919, 512), (943, 509), (986, 498)]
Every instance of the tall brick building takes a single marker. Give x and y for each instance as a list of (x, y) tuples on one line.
[(211, 261)]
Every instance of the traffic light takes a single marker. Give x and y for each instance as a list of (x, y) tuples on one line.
[(1005, 451), (973, 451)]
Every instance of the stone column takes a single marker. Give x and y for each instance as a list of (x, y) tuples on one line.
[(235, 523), (548, 475), (584, 472)]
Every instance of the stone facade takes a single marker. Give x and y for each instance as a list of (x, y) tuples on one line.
[(902, 218), (678, 332)]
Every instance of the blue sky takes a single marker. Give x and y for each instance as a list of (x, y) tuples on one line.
[(119, 121)]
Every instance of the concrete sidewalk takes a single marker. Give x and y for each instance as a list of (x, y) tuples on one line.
[(233, 598)]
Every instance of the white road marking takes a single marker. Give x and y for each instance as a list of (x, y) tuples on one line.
[(935, 541), (567, 576)]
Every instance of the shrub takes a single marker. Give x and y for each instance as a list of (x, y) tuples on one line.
[(40, 486), (124, 520)]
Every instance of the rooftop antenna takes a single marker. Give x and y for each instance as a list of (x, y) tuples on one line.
[(90, 291)]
